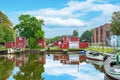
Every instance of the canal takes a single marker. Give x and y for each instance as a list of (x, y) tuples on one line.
[(51, 67)]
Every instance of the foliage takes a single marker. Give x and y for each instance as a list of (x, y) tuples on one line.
[(86, 36), (32, 70), (32, 43), (4, 19), (5, 69), (50, 40), (6, 31), (75, 33), (39, 34), (115, 23), (29, 25), (56, 38), (1, 34), (31, 28)]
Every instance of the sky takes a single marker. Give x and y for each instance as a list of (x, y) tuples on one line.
[(63, 16)]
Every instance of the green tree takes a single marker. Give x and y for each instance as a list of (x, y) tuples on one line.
[(39, 34), (115, 23), (57, 38), (6, 30), (4, 19), (31, 28), (29, 25), (8, 33), (50, 40), (75, 33), (1, 34), (86, 36)]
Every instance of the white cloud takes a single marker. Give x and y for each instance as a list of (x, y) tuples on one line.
[(58, 21), (107, 9), (71, 14)]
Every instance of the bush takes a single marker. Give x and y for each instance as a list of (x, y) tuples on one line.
[(32, 43)]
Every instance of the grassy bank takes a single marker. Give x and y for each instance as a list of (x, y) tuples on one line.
[(104, 50)]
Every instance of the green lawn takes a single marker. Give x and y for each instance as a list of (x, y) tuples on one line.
[(104, 50)]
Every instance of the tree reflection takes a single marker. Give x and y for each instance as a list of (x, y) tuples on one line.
[(32, 70), (5, 69)]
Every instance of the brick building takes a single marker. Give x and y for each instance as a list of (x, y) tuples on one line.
[(101, 34)]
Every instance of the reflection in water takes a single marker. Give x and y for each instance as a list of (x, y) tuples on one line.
[(28, 67), (66, 67), (5, 68), (32, 70), (52, 67)]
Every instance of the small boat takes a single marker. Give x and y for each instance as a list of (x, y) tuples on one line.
[(112, 66), (99, 63), (94, 55), (10, 50)]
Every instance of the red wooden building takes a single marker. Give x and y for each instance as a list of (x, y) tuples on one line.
[(41, 42), (70, 42), (10, 44), (20, 42)]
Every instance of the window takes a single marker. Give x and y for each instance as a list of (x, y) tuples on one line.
[(20, 38)]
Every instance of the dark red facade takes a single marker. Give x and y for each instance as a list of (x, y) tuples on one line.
[(101, 34), (69, 42), (41, 42), (55, 43), (83, 44), (10, 44), (20, 42)]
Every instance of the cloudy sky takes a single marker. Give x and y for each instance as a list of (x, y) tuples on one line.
[(63, 16)]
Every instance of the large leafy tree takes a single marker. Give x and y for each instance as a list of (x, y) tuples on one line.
[(6, 30), (86, 36), (75, 33), (4, 19), (30, 27), (115, 23)]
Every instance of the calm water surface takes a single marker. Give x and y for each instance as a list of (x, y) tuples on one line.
[(51, 67)]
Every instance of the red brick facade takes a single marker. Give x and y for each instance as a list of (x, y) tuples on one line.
[(101, 34)]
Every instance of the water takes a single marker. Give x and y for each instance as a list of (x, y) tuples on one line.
[(51, 67)]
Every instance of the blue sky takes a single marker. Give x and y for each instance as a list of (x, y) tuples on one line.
[(63, 16)]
